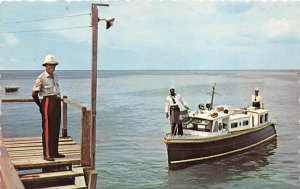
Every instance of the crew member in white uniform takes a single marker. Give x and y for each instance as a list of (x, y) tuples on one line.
[(172, 107), (46, 86), (256, 99)]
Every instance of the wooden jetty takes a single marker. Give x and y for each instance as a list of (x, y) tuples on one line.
[(22, 164)]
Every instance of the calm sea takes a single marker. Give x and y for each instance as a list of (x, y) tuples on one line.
[(131, 124)]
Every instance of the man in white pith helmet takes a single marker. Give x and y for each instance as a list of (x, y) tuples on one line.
[(46, 86), (172, 106), (256, 99)]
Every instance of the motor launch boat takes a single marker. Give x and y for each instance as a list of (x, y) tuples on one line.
[(210, 133)]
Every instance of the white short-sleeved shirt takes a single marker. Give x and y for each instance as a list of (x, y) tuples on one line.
[(46, 85), (169, 101), (255, 98)]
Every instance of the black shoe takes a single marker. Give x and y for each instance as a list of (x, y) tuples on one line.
[(48, 158), (59, 155)]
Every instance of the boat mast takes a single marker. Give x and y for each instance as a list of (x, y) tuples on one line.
[(212, 96)]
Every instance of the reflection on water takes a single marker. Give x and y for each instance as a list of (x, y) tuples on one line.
[(232, 167)]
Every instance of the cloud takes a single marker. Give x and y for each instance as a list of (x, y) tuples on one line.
[(281, 28), (234, 7), (10, 39)]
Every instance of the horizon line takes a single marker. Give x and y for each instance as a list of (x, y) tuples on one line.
[(294, 69)]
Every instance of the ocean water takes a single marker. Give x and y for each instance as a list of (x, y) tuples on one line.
[(131, 124)]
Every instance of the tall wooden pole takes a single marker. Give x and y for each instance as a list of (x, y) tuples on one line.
[(94, 12), (95, 20)]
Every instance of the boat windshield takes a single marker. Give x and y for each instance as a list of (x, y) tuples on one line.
[(200, 124)]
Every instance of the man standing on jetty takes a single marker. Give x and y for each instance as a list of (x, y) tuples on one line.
[(46, 85), (172, 106)]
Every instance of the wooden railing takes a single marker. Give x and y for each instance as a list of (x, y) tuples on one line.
[(86, 131), (9, 178), (87, 137)]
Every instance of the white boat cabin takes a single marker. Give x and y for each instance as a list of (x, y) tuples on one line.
[(222, 121)]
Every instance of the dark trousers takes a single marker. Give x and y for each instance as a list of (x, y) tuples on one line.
[(176, 124), (51, 114), (256, 104)]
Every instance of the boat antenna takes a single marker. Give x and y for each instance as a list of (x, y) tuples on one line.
[(212, 94)]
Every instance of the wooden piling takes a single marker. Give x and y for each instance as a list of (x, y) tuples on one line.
[(64, 130), (92, 179), (85, 137)]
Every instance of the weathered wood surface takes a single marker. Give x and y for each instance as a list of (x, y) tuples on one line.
[(66, 187), (85, 137), (35, 177), (65, 118), (18, 145), (31, 139), (28, 153), (60, 148), (92, 179), (73, 103), (9, 178), (16, 99), (22, 164)]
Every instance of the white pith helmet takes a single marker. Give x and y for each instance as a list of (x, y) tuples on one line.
[(50, 59), (256, 89)]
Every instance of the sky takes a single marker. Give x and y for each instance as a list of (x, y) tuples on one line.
[(152, 35)]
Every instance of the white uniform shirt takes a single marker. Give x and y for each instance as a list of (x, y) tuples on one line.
[(169, 101), (46, 85), (257, 98)]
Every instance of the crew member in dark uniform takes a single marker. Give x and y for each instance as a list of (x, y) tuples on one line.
[(172, 107), (46, 86), (256, 99)]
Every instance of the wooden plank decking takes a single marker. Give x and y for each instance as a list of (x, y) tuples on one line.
[(22, 164), (27, 154)]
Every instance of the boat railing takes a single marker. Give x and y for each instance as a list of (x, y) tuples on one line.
[(87, 139)]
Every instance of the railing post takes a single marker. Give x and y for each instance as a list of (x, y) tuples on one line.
[(85, 137), (92, 184), (65, 118)]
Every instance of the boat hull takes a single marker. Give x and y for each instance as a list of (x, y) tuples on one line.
[(189, 151)]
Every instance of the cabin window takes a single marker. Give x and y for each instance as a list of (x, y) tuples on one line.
[(240, 124), (200, 125), (245, 123), (266, 117), (234, 125), (261, 118), (208, 126)]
